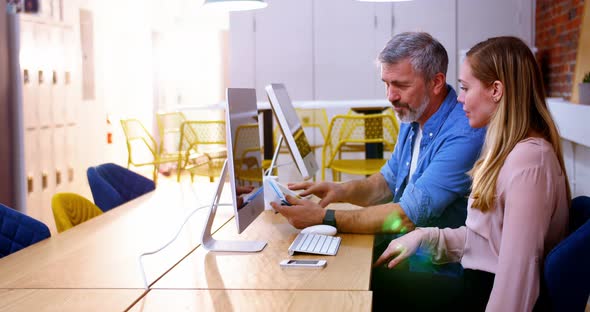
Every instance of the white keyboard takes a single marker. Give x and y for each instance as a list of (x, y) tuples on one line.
[(315, 244)]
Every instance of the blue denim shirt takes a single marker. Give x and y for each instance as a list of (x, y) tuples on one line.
[(436, 194)]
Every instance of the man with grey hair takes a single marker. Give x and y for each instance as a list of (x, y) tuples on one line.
[(425, 182)]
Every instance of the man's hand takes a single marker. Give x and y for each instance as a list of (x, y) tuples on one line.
[(240, 190), (329, 192), (302, 213)]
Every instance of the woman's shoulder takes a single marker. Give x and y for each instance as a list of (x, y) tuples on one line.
[(532, 152)]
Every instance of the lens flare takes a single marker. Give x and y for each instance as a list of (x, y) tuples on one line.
[(392, 223)]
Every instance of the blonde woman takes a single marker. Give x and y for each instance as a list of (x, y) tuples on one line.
[(518, 209)]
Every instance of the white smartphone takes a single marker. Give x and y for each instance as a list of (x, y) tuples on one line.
[(303, 263)]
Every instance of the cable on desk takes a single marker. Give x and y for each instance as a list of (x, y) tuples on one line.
[(268, 170), (145, 283)]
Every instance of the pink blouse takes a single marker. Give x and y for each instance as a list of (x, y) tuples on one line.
[(529, 218)]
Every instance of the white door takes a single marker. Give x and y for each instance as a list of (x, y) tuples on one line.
[(283, 47), (30, 85), (32, 172), (241, 44), (57, 76), (47, 177), (346, 43), (59, 175), (436, 17), (73, 178), (44, 75), (501, 17)]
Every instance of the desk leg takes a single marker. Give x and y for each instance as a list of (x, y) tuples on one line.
[(373, 129), (267, 134)]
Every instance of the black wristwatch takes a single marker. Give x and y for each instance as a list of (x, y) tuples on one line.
[(330, 218)]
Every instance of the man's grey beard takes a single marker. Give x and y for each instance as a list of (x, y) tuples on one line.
[(413, 114)]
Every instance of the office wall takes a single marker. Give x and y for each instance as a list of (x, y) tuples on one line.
[(558, 27), (557, 32), (331, 55), (6, 98)]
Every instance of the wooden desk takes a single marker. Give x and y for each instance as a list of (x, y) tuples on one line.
[(94, 265), (103, 252), (350, 269), (64, 300), (253, 300)]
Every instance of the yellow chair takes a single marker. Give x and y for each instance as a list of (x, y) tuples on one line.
[(353, 148), (389, 111), (312, 121), (202, 148), (71, 209), (142, 148), (354, 130), (169, 130), (247, 161)]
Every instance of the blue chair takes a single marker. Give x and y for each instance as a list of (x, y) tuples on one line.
[(18, 231), (113, 185), (567, 266)]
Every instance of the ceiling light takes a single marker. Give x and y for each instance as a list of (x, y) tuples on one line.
[(235, 5)]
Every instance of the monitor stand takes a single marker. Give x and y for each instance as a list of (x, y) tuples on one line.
[(275, 155), (212, 244)]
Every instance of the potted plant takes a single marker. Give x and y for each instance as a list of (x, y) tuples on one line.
[(584, 88)]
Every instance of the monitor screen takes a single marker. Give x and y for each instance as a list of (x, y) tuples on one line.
[(244, 155), (292, 130)]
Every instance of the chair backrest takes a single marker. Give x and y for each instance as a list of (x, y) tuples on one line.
[(247, 166), (566, 272), (71, 209), (245, 133), (580, 212), (141, 146), (105, 196), (194, 133), (126, 183), (18, 231), (169, 125), (356, 129), (315, 118)]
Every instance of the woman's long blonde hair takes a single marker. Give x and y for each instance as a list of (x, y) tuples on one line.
[(521, 109)]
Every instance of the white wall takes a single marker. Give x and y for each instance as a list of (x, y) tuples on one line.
[(572, 121), (437, 17), (325, 49)]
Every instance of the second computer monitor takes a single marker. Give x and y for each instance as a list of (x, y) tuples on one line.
[(292, 130), (244, 155)]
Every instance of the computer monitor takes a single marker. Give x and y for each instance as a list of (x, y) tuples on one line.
[(244, 168), (292, 130)]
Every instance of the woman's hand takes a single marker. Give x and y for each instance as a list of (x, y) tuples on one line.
[(400, 249)]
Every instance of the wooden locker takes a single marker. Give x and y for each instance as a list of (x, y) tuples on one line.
[(71, 177), (30, 82), (44, 75), (32, 172), (47, 170), (57, 77), (71, 78), (59, 175)]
